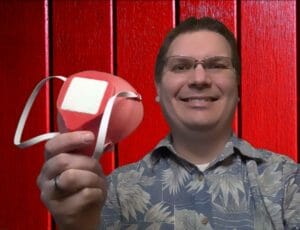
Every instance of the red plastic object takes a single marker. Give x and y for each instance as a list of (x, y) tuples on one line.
[(126, 113)]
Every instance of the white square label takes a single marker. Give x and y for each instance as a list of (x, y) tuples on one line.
[(84, 95)]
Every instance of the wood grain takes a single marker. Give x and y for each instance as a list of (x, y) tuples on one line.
[(269, 78), (23, 64), (141, 26), (82, 40)]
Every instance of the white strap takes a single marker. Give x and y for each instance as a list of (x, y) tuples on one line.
[(24, 116), (100, 144)]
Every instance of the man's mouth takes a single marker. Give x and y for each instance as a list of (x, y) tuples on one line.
[(206, 99)]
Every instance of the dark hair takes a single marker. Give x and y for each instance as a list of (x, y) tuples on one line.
[(193, 24)]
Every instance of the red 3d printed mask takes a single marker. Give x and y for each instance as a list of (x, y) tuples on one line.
[(100, 102)]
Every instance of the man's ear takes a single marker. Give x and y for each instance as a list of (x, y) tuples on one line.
[(157, 98)]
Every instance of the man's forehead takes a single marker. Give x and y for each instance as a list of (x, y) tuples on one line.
[(200, 44)]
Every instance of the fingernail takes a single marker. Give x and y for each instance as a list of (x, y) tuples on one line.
[(88, 138)]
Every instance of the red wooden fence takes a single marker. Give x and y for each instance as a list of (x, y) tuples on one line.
[(60, 37)]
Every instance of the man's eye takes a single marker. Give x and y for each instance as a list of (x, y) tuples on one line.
[(180, 67), (215, 65)]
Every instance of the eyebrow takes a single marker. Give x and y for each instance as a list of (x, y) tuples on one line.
[(205, 58)]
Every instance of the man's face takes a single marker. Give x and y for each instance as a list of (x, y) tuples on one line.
[(198, 96)]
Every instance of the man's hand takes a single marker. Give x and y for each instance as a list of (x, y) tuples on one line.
[(72, 185)]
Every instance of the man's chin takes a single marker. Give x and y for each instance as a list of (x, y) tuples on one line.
[(201, 126)]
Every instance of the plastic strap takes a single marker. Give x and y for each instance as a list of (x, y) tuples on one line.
[(100, 144), (24, 116)]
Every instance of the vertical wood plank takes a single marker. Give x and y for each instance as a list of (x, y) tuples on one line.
[(82, 40), (225, 11), (269, 88), (141, 27), (22, 65)]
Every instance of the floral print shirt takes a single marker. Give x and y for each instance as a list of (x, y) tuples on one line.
[(244, 188)]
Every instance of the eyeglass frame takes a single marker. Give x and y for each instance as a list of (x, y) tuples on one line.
[(196, 62)]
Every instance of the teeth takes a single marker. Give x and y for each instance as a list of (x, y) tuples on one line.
[(199, 99), (206, 99)]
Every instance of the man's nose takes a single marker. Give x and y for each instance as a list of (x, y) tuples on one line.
[(200, 75)]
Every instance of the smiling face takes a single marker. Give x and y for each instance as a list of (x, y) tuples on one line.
[(203, 95)]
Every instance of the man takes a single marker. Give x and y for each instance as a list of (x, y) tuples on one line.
[(200, 176)]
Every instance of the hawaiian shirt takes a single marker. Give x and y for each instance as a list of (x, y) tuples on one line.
[(244, 188)]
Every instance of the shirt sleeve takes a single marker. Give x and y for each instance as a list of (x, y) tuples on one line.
[(291, 202)]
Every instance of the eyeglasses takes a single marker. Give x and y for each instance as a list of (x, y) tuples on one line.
[(184, 64)]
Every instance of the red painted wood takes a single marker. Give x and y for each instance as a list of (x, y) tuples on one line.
[(22, 65), (269, 89), (225, 11), (82, 40), (141, 26)]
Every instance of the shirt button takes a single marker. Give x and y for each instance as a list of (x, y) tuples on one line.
[(200, 177), (204, 221)]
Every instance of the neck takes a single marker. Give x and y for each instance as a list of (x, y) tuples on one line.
[(200, 147)]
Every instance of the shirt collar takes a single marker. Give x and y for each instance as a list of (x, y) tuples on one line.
[(234, 145)]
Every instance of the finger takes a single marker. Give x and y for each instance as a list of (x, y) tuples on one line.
[(56, 165), (85, 197), (68, 142), (84, 200), (70, 182), (64, 161), (73, 180)]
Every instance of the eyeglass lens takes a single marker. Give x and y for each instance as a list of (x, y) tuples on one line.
[(179, 64)]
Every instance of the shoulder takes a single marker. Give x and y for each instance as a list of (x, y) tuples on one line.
[(264, 156), (278, 160), (271, 157), (268, 162)]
